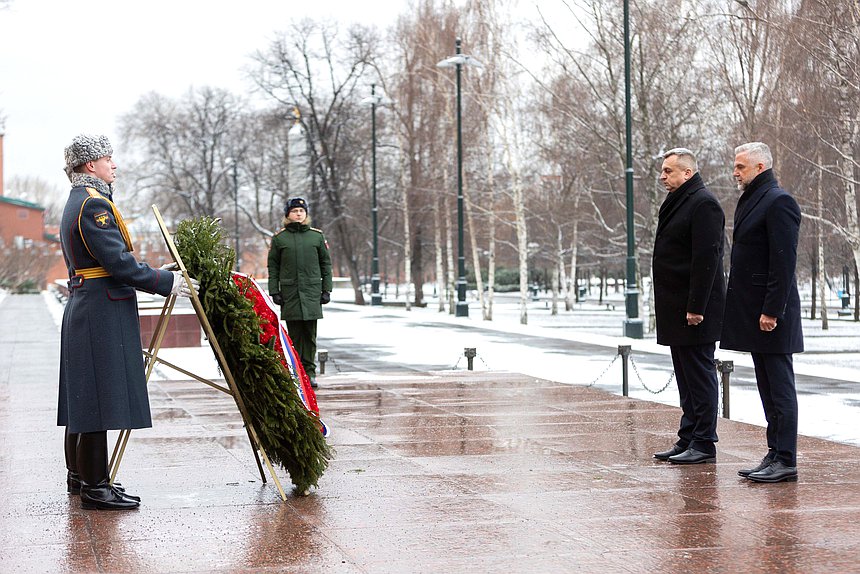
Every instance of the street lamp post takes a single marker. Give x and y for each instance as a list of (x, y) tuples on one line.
[(632, 322), (375, 296), (373, 101), (236, 211), (458, 61)]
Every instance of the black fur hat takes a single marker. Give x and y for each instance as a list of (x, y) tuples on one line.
[(294, 203)]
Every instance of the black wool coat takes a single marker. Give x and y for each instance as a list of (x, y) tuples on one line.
[(762, 276), (102, 380), (687, 266)]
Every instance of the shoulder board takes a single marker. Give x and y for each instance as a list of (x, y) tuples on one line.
[(279, 232), (315, 229), (94, 193)]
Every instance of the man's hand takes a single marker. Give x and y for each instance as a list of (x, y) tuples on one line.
[(325, 297), (693, 319), (181, 288), (277, 299), (170, 266), (766, 323)]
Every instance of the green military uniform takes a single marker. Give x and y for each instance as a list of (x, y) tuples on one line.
[(300, 270)]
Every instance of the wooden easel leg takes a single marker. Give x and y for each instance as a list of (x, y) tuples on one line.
[(255, 444), (118, 451), (272, 472), (150, 359)]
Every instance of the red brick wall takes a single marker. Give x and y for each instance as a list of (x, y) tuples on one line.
[(16, 220), (183, 329), (2, 183)]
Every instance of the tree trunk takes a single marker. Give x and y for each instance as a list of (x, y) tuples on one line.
[(407, 245), (437, 249), (476, 258), (822, 269)]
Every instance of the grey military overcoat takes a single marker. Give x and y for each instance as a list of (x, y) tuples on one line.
[(102, 380)]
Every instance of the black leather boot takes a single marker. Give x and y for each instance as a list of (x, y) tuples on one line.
[(73, 481), (96, 490), (73, 486), (102, 496)]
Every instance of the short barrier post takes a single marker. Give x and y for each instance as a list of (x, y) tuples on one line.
[(725, 368), (323, 357), (470, 353), (624, 351)]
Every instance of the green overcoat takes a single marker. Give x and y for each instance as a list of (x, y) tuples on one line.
[(300, 270)]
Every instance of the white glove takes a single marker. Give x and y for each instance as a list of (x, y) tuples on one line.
[(170, 266), (181, 288)]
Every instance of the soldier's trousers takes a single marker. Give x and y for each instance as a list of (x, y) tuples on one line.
[(304, 336)]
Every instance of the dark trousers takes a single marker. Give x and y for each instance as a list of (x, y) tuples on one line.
[(774, 375), (699, 390), (304, 336)]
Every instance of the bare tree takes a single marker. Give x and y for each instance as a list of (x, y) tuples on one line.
[(671, 102), (185, 151), (315, 69)]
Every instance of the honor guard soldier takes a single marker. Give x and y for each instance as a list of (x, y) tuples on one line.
[(102, 379), (300, 280)]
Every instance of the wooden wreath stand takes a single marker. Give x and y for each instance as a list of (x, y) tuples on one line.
[(151, 358)]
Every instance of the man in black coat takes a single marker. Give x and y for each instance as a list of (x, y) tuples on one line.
[(102, 380), (689, 291), (762, 313)]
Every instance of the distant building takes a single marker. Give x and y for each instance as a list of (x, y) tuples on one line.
[(30, 254)]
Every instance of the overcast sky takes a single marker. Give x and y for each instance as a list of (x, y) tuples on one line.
[(68, 67)]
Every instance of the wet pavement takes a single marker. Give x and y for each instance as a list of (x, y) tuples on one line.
[(435, 471)]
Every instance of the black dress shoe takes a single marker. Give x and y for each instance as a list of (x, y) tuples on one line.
[(692, 456), (745, 472), (667, 453), (103, 497), (121, 491), (775, 472)]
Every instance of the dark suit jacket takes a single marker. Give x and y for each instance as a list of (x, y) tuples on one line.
[(687, 266), (762, 277)]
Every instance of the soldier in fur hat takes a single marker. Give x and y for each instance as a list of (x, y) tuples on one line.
[(102, 380)]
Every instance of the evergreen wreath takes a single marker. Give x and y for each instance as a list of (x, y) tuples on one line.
[(289, 434)]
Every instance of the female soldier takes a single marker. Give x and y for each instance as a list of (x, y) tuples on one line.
[(300, 280)]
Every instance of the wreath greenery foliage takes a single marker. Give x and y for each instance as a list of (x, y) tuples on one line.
[(288, 433)]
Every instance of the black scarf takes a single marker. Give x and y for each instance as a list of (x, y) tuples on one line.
[(675, 196)]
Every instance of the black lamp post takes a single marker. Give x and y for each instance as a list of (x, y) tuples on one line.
[(374, 100), (458, 61), (632, 322)]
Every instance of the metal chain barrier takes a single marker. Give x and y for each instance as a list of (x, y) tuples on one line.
[(606, 370), (470, 353), (644, 386)]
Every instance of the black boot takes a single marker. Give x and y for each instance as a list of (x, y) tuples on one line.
[(96, 490), (102, 496), (73, 486), (73, 481)]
